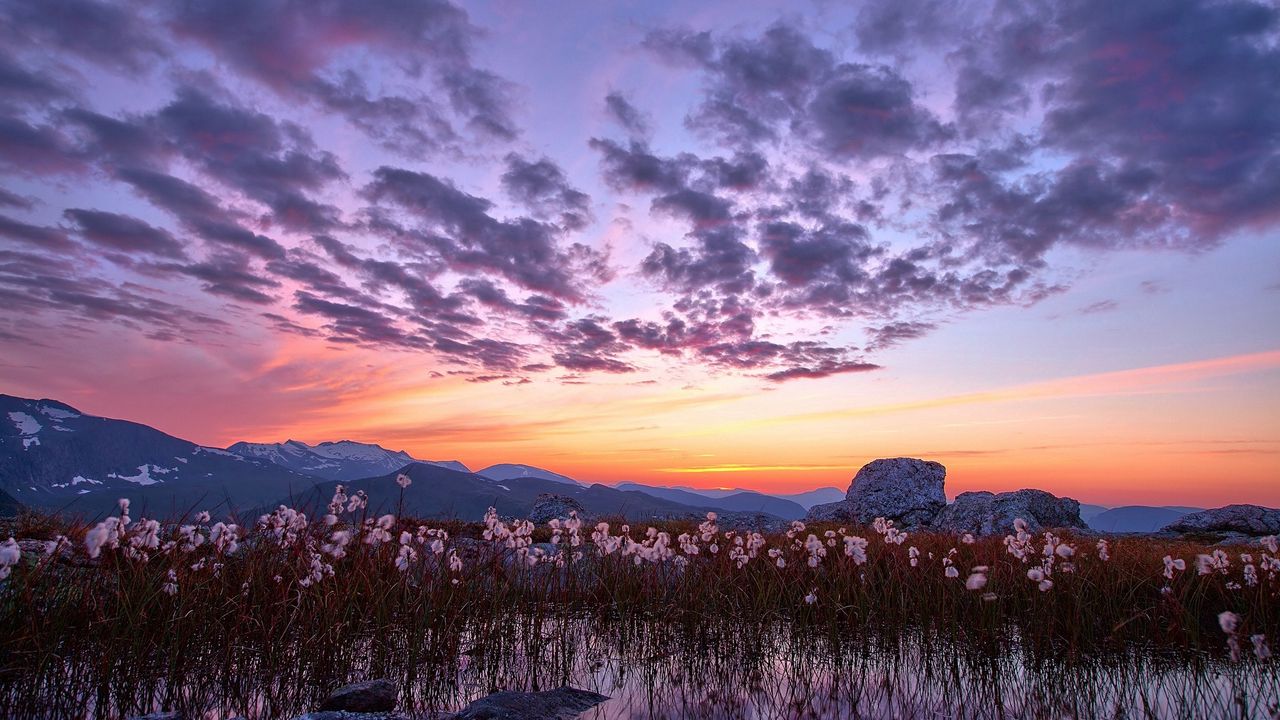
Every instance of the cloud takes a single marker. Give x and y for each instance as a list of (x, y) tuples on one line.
[(300, 50), (270, 161), (124, 233), (199, 212), (541, 186), (42, 237), (111, 35), (886, 336), (621, 111), (464, 235)]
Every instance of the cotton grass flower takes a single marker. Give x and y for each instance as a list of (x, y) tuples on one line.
[(977, 578), (1230, 622), (1260, 648), (856, 548), (10, 555), (403, 481), (171, 587), (1172, 565)]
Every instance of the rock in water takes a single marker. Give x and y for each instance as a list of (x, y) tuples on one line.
[(548, 506), (559, 704), (348, 715), (907, 491), (984, 513), (1253, 520), (370, 696)]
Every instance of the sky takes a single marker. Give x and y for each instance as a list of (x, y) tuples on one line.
[(712, 245)]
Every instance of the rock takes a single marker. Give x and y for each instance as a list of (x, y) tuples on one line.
[(1247, 520), (370, 696), (160, 716), (984, 513), (347, 715), (907, 491), (559, 704), (548, 506)]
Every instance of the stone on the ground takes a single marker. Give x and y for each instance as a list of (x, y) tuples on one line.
[(1246, 520), (907, 491), (160, 716), (549, 506), (348, 715), (984, 513), (559, 704), (370, 696)]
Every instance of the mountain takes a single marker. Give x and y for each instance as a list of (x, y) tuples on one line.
[(9, 505), (1138, 518), (815, 497), (341, 460), (741, 501), (509, 471), (439, 492), (54, 457), (1088, 512)]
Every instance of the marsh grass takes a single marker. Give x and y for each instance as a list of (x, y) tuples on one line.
[(264, 626)]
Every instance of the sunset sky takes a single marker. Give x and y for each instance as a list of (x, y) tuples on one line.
[(714, 244)]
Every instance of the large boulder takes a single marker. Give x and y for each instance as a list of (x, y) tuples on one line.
[(370, 696), (984, 513), (559, 704), (548, 506), (905, 490), (1251, 520)]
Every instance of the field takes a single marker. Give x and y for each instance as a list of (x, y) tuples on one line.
[(259, 618)]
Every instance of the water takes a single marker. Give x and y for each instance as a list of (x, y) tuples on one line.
[(656, 670)]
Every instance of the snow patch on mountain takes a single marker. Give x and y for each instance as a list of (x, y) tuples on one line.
[(26, 424), (57, 413), (144, 475)]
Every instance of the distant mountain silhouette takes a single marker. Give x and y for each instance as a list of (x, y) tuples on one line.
[(1138, 518), (510, 471), (741, 501), (1091, 511), (438, 492), (341, 460), (815, 497), (54, 457)]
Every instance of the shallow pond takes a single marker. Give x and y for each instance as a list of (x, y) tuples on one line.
[(661, 670)]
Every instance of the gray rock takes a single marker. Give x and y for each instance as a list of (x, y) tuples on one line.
[(347, 715), (160, 716), (370, 696), (549, 506), (559, 704), (984, 513), (907, 491), (1247, 520)]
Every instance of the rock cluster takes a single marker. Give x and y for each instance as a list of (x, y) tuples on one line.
[(1243, 520), (560, 704), (549, 506), (984, 513), (909, 492), (905, 490), (376, 700)]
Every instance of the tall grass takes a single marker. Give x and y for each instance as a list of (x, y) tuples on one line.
[(130, 615)]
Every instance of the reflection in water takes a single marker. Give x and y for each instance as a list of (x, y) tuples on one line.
[(702, 669)]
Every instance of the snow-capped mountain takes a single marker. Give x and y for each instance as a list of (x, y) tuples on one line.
[(340, 460), (53, 456), (510, 471)]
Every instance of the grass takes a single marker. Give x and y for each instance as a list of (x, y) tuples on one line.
[(266, 628)]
